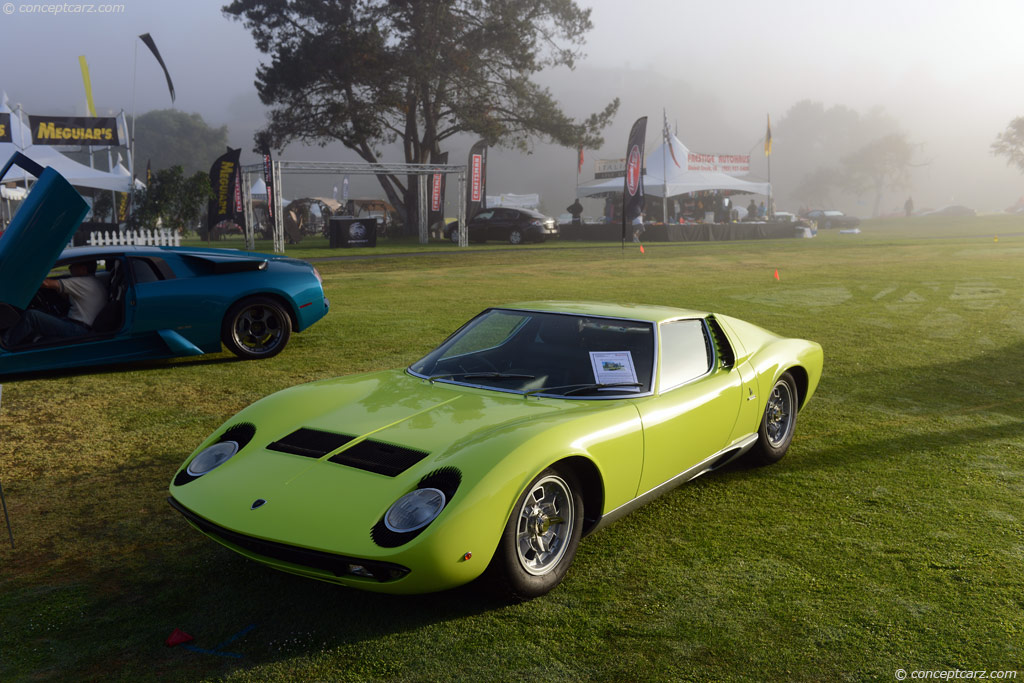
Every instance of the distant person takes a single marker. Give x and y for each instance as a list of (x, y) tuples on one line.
[(908, 206), (576, 210), (762, 211), (638, 226), (751, 210), (88, 295)]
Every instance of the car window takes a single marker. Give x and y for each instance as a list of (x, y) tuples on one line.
[(483, 216), (507, 214), (565, 355), (488, 333), (685, 352), (143, 270)]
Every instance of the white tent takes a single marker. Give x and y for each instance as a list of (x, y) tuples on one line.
[(515, 201), (77, 174), (665, 178)]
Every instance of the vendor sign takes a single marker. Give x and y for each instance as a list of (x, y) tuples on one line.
[(5, 128), (74, 130)]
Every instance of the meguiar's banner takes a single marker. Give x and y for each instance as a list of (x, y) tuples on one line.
[(224, 179), (5, 128), (74, 130)]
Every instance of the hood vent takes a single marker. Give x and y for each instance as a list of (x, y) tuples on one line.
[(379, 457), (310, 443)]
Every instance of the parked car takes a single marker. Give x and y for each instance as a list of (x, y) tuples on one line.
[(828, 219), (514, 226), (161, 301), (531, 426)]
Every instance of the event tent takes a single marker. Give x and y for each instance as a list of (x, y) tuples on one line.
[(77, 174), (664, 178)]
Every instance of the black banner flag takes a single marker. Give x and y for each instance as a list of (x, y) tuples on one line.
[(148, 40), (268, 178), (476, 189), (74, 130), (633, 187), (224, 179), (5, 127), (437, 184)]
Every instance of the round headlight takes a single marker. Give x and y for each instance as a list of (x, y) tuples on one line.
[(414, 510), (214, 456)]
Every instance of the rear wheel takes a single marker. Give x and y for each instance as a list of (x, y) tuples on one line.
[(257, 327), (541, 537), (778, 422)]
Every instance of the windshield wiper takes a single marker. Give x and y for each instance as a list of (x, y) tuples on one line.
[(481, 375), (573, 388)]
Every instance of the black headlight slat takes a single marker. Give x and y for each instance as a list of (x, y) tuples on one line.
[(310, 443), (379, 457), (446, 480), (240, 433)]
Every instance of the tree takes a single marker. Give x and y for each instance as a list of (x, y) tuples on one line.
[(880, 164), (167, 137), (173, 200), (1010, 143), (102, 206), (374, 72)]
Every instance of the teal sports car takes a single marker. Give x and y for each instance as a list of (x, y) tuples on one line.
[(533, 425), (160, 302)]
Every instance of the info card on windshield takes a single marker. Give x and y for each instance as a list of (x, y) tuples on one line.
[(614, 367)]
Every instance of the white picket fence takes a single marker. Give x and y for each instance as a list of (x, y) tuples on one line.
[(140, 238)]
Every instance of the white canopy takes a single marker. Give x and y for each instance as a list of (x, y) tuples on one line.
[(665, 178), (77, 174)]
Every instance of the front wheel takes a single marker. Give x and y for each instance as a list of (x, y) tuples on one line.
[(777, 424), (515, 237), (257, 327), (540, 539)]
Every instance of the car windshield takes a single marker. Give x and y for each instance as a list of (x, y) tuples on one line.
[(552, 354)]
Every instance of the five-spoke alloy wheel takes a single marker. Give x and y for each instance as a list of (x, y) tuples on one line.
[(257, 327)]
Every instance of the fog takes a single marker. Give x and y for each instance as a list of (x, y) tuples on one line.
[(947, 74)]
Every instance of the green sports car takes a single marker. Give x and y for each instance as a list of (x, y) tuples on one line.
[(531, 426)]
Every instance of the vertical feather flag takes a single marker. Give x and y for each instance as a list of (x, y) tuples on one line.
[(633, 183), (148, 40), (579, 163), (768, 138), (87, 82), (668, 139)]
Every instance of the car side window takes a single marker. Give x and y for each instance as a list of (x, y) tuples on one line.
[(685, 352), (483, 216), (507, 215), (143, 271)]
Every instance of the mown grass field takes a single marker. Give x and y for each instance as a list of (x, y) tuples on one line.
[(890, 537)]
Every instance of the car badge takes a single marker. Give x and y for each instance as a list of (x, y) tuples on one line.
[(258, 503)]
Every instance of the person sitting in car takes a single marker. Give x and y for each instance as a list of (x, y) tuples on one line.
[(87, 295)]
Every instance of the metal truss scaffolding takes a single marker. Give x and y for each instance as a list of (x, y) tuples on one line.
[(423, 173)]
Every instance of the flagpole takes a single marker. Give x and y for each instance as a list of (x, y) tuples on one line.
[(3, 501), (664, 169), (131, 137)]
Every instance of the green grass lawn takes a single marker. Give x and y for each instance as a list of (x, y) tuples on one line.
[(890, 537)]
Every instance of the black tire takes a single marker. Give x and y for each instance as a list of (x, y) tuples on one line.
[(539, 542), (256, 327), (454, 236), (515, 237), (778, 423)]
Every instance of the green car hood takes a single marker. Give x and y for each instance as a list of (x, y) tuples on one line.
[(316, 503)]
